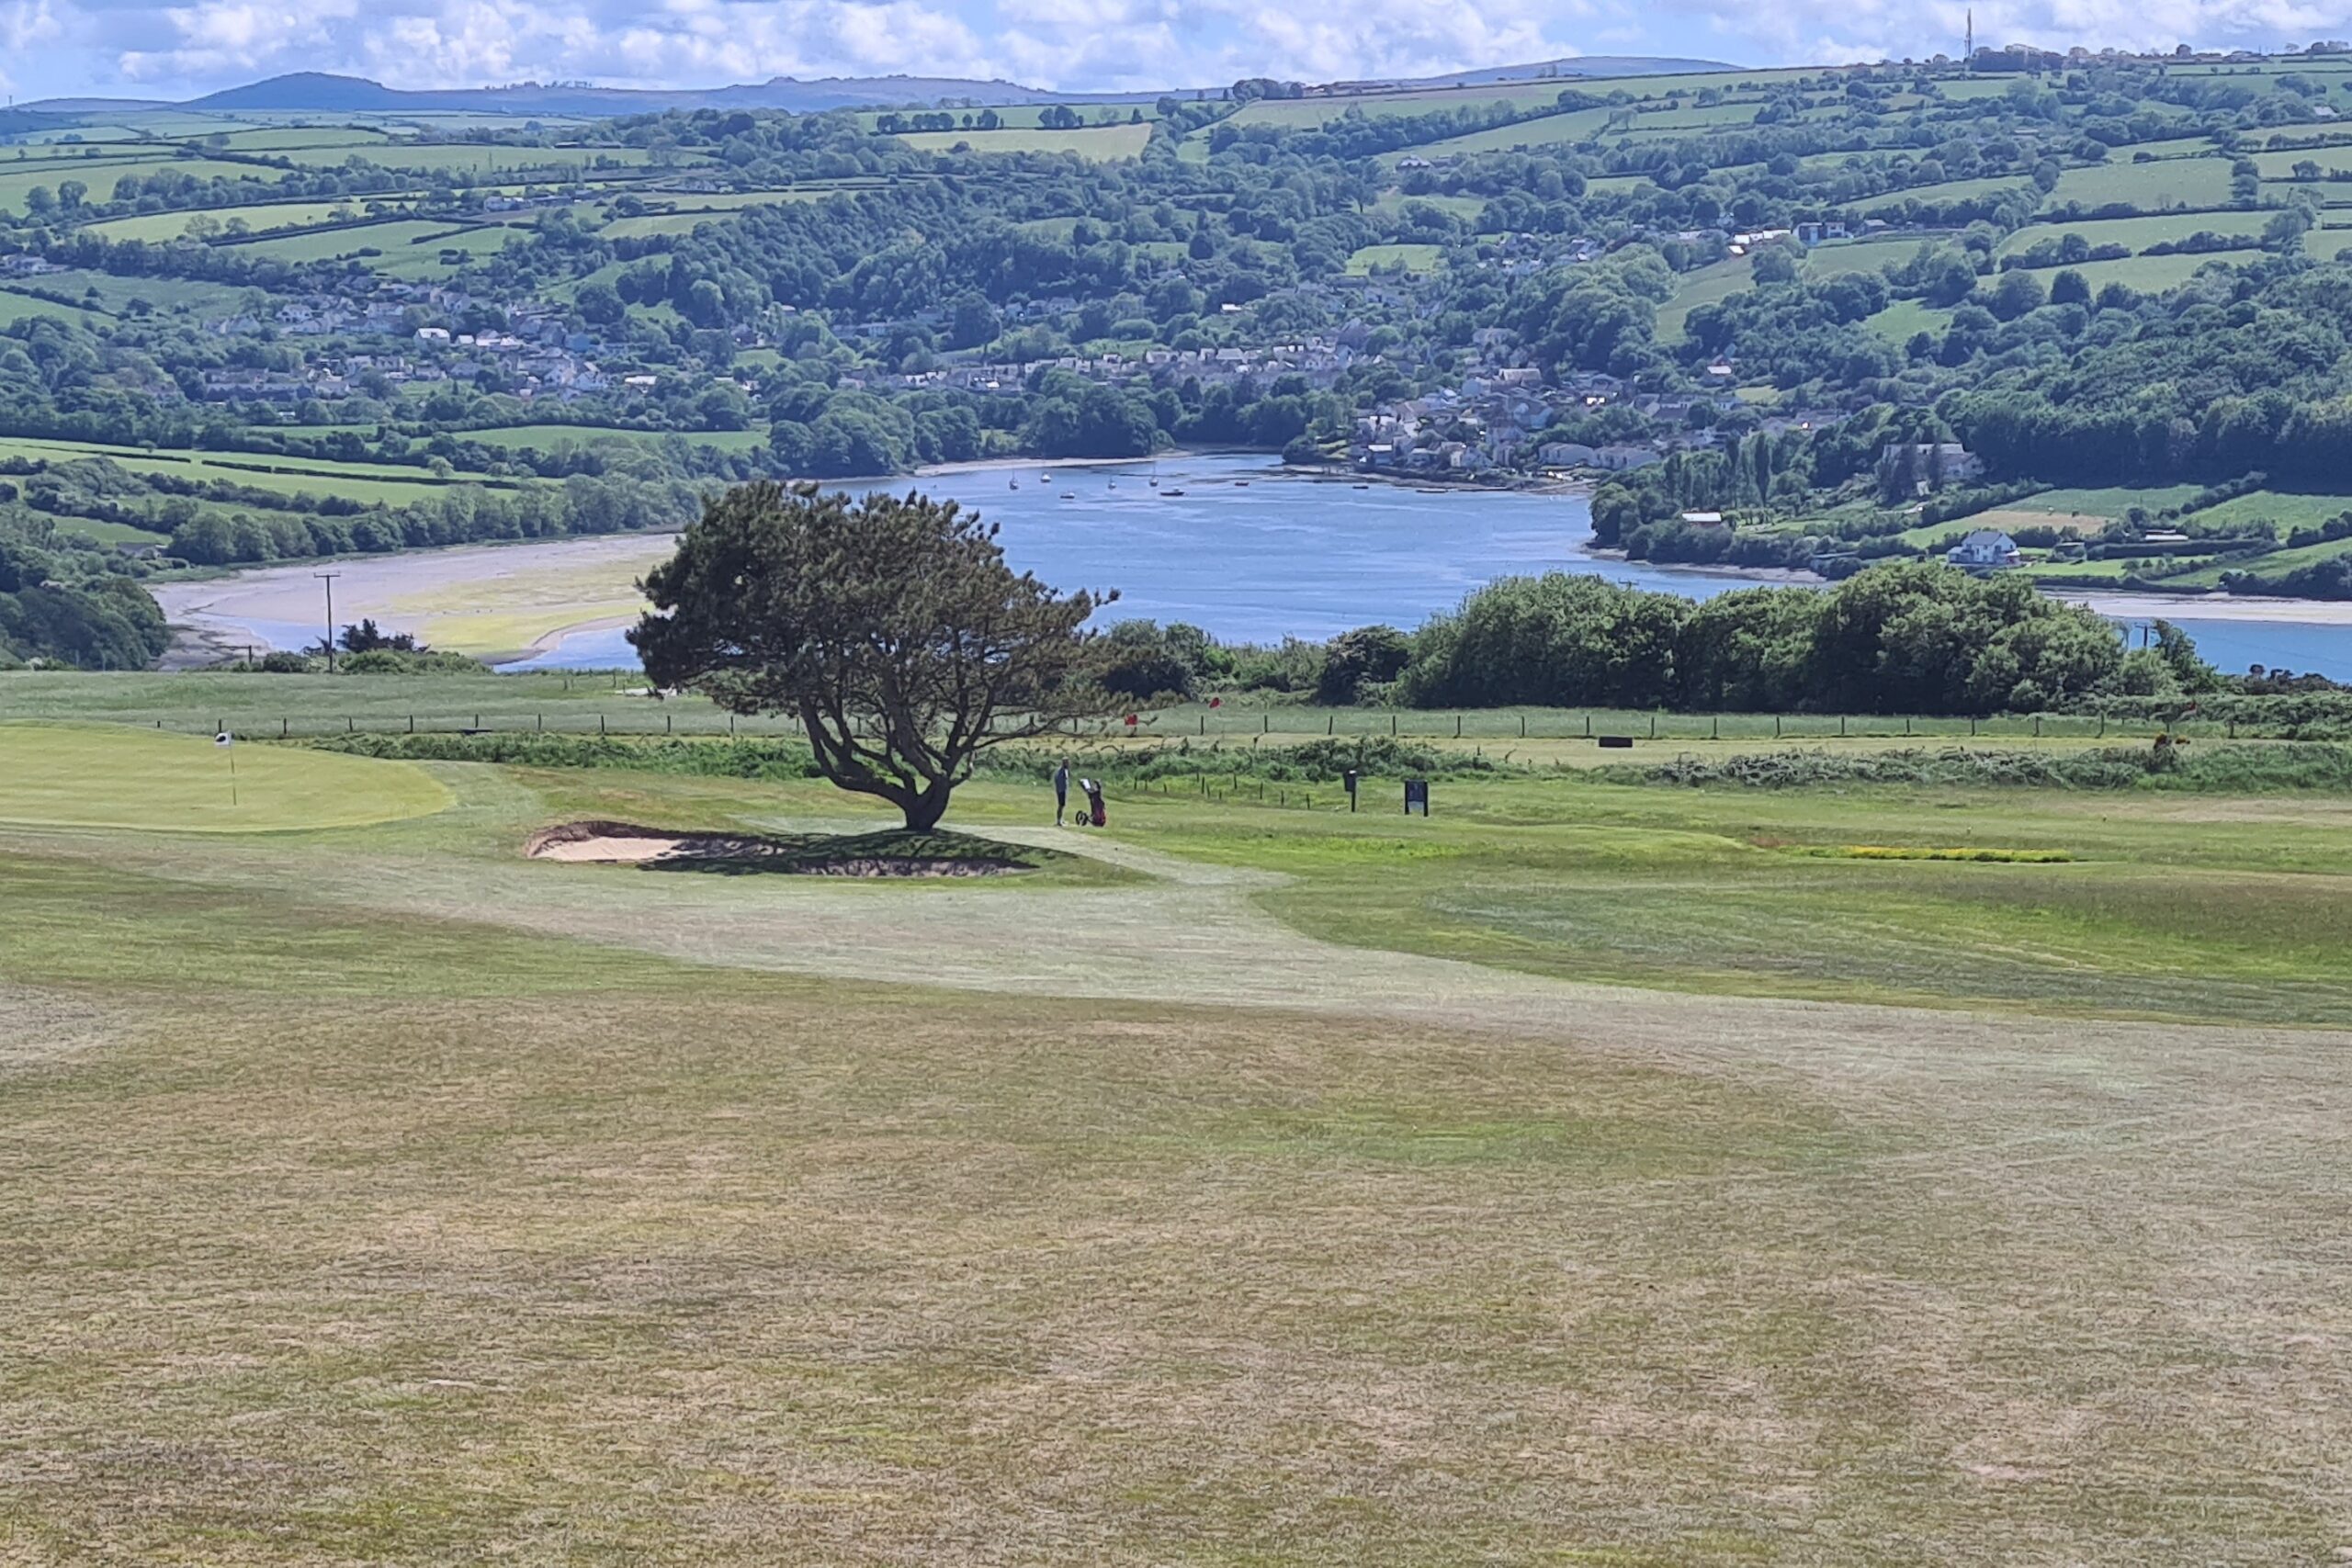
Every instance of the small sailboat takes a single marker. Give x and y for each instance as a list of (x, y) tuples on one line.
[(1070, 495), (1015, 485), (1172, 492)]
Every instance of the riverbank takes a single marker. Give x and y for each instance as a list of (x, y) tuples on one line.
[(503, 603), (1238, 545)]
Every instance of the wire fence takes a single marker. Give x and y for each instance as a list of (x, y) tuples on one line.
[(1479, 727)]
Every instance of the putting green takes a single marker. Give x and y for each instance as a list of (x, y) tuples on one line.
[(104, 776)]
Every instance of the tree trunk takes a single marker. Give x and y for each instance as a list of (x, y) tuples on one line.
[(923, 811)]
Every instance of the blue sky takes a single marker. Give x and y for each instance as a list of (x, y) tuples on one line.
[(176, 47)]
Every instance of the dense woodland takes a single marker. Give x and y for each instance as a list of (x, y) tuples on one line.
[(2098, 271)]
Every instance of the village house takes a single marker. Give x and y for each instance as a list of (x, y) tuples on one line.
[(1985, 549)]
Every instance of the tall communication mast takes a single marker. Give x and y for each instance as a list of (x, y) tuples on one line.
[(1968, 50)]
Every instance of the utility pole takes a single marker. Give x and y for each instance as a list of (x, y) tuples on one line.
[(328, 578), (1968, 50)]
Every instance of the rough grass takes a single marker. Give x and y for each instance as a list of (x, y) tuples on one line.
[(358, 1217)]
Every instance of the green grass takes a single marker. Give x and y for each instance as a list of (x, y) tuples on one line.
[(388, 483), (549, 437), (379, 1194), (156, 228), (15, 307), (2151, 187), (400, 240), (2139, 234), (110, 533), (1941, 194), (1546, 130), (1024, 117), (170, 295), (1708, 284), (1096, 142), (2280, 165), (100, 176), (2271, 565), (1412, 258), (484, 158), (2148, 275), (1394, 201), (1904, 319), (2288, 510), (108, 777), (1859, 255), (2101, 505)]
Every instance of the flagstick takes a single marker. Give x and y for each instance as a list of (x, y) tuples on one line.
[(232, 778)]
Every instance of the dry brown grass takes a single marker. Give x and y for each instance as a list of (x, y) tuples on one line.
[(582, 1220)]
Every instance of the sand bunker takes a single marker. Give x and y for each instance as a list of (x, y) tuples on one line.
[(623, 843)]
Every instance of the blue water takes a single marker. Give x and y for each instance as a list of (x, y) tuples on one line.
[(1253, 555)]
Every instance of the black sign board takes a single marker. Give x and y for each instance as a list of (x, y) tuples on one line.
[(1417, 792)]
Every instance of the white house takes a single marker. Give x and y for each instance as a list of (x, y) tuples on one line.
[(1617, 459), (1985, 549)]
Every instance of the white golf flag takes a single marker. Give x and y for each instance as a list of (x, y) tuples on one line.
[(224, 738)]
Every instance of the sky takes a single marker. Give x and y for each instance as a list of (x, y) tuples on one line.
[(174, 48)]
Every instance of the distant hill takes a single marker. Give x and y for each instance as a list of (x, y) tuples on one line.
[(1576, 65), (319, 92), (316, 92)]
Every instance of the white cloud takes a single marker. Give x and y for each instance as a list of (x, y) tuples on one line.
[(195, 45)]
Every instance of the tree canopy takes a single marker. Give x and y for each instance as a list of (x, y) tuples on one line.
[(889, 627)]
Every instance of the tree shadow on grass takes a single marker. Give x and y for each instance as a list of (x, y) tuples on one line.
[(890, 855)]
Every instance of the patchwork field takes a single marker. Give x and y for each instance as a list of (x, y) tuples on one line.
[(2151, 187), (1412, 258), (1549, 130), (388, 483), (261, 217), (2139, 234), (380, 1190), (18, 179), (1094, 141), (1704, 286)]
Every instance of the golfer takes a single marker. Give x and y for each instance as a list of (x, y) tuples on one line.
[(1061, 791)]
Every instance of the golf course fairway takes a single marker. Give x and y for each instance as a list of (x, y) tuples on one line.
[(107, 776)]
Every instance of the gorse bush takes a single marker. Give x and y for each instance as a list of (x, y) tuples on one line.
[(737, 758), (2221, 768), (1321, 761), (1916, 637)]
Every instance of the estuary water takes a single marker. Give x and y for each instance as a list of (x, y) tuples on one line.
[(1233, 545), (1227, 542)]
